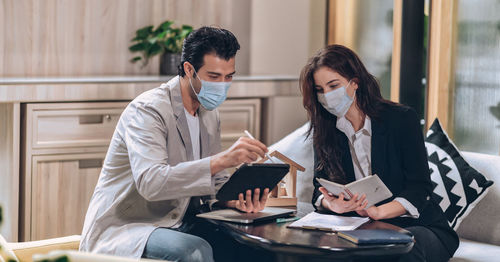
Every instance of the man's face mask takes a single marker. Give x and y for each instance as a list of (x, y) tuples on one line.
[(212, 94)]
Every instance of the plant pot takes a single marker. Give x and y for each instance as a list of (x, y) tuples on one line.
[(169, 63)]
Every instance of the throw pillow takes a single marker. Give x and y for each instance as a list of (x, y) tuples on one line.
[(457, 186)]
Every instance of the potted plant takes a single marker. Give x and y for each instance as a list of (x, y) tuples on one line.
[(165, 40)]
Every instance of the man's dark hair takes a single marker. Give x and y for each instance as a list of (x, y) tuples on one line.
[(207, 40)]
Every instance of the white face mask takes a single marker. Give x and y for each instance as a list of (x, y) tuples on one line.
[(337, 101)]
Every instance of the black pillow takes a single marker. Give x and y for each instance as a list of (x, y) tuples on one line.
[(457, 186)]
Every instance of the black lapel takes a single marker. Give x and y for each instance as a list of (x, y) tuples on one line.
[(379, 148)]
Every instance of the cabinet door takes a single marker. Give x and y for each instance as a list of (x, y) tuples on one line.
[(70, 125), (62, 186), (236, 116)]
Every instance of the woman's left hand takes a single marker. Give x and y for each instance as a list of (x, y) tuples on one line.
[(373, 212)]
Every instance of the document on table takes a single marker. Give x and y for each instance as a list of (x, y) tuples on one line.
[(326, 222)]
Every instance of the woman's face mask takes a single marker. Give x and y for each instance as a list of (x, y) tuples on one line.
[(337, 101), (212, 94)]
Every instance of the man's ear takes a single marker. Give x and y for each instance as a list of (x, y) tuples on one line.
[(188, 69)]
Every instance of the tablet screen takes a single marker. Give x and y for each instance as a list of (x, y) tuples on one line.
[(251, 176)]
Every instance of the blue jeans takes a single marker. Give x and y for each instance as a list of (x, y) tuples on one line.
[(173, 245)]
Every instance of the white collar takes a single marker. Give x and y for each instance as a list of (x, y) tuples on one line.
[(346, 127)]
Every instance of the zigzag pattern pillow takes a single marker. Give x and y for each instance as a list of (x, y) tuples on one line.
[(457, 186)]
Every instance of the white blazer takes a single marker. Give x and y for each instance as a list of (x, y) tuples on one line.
[(149, 174)]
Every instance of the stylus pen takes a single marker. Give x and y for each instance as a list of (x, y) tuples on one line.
[(251, 137)]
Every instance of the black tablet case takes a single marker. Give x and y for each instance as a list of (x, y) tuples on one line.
[(251, 176)]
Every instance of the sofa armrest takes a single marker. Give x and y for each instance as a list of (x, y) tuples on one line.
[(77, 256), (25, 250)]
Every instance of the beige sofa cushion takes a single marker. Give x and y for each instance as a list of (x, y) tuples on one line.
[(25, 250), (6, 253), (76, 256), (472, 251), (483, 224)]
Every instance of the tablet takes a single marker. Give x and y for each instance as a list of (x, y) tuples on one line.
[(251, 176)]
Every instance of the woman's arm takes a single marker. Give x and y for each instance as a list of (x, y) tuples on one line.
[(385, 211), (415, 167)]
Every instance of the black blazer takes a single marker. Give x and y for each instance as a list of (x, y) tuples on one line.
[(399, 158)]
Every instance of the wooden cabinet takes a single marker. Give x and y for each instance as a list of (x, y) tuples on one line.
[(64, 148), (236, 116)]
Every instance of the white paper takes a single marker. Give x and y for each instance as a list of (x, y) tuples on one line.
[(315, 220)]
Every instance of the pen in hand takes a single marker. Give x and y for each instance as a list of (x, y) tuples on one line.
[(251, 137)]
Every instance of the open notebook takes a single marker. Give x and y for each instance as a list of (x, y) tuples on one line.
[(324, 222)]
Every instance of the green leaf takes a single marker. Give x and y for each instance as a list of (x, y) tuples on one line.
[(162, 35), (144, 32), (187, 27), (137, 47), (152, 40), (154, 50), (135, 59), (165, 25)]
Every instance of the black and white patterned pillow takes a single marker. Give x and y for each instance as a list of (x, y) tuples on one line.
[(457, 186)]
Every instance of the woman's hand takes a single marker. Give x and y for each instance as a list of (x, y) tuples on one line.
[(250, 204), (373, 212), (385, 211), (339, 205)]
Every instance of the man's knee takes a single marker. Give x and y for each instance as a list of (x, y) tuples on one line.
[(198, 250)]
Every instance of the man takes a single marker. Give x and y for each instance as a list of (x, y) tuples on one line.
[(164, 162)]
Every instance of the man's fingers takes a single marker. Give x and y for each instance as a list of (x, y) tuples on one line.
[(251, 146), (256, 198), (263, 200), (248, 202), (256, 143), (241, 203)]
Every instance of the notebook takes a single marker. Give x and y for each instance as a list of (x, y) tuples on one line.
[(328, 222), (372, 186), (376, 236), (232, 215)]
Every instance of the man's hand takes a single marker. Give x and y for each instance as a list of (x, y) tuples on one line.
[(339, 205), (250, 204), (245, 150)]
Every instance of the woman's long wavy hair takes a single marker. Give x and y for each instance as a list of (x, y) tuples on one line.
[(323, 124)]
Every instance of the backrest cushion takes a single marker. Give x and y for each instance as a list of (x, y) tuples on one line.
[(483, 223), (458, 187), (299, 148)]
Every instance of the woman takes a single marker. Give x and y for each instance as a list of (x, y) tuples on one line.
[(357, 133)]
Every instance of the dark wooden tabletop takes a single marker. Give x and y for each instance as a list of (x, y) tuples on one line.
[(278, 238)]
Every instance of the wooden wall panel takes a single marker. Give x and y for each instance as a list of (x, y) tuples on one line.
[(443, 29), (91, 37), (10, 115)]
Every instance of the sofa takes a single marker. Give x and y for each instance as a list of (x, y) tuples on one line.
[(479, 232)]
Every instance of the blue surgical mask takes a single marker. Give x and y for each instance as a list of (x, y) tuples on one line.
[(212, 94), (337, 101)]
